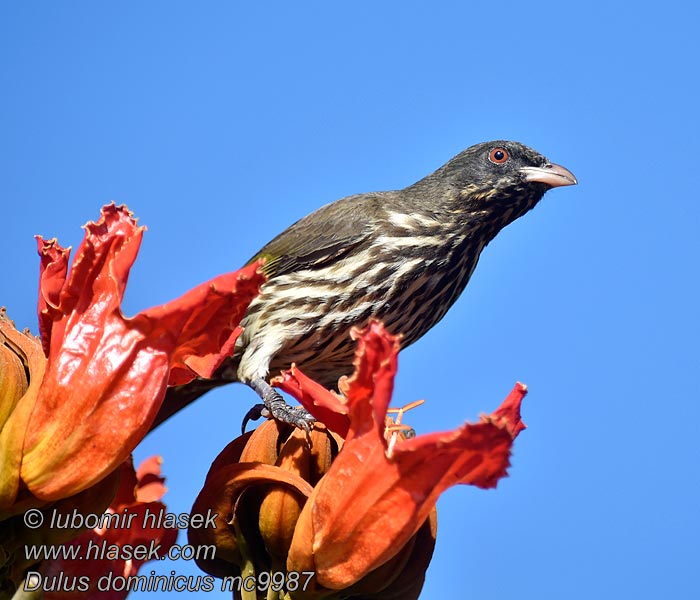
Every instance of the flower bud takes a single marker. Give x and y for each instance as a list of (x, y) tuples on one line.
[(22, 365)]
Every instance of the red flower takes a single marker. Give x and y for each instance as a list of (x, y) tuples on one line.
[(102, 569), (106, 374), (367, 526), (71, 414), (371, 501)]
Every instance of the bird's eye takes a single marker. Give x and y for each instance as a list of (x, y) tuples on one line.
[(498, 156)]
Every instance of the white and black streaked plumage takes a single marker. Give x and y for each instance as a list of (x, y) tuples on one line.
[(402, 257)]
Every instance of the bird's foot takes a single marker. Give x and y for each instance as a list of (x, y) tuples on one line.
[(275, 406)]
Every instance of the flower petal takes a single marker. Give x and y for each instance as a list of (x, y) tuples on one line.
[(150, 483), (52, 277), (323, 404)]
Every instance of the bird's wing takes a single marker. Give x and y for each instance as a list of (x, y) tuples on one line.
[(324, 236)]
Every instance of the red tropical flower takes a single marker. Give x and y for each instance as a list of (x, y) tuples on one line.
[(367, 527), (74, 404), (106, 375), (103, 564), (371, 502)]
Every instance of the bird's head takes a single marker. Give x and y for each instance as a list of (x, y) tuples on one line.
[(498, 181)]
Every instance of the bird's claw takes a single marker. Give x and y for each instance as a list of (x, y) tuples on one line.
[(274, 406), (292, 415), (253, 414), (296, 416)]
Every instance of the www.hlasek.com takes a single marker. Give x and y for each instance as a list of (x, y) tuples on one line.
[(103, 549)]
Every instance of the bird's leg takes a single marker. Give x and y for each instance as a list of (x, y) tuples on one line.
[(274, 405)]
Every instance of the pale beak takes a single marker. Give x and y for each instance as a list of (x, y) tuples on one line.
[(551, 175)]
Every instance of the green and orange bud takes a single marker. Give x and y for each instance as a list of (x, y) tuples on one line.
[(22, 365), (281, 507), (13, 358), (258, 486)]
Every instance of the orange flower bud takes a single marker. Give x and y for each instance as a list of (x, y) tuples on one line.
[(22, 365), (13, 377)]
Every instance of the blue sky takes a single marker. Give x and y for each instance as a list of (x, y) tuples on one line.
[(220, 123)]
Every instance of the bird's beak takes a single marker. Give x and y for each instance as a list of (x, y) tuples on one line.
[(551, 175)]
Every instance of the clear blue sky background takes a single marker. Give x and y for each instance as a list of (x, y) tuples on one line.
[(220, 123)]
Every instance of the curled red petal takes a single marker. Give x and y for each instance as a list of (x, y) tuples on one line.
[(106, 375), (323, 404), (508, 414), (369, 390), (52, 277)]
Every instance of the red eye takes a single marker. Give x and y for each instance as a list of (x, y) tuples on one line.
[(498, 156)]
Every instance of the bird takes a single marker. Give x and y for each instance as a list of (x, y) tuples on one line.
[(401, 257)]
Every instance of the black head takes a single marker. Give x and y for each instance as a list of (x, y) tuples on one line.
[(497, 179)]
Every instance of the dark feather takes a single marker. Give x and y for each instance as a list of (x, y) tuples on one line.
[(324, 236)]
